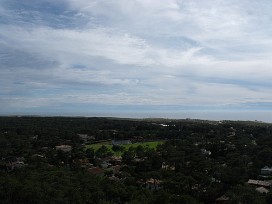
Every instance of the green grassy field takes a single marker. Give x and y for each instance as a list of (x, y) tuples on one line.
[(96, 146), (108, 144)]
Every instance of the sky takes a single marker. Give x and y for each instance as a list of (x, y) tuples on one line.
[(139, 58)]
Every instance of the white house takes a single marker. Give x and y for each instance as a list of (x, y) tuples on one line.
[(153, 184), (266, 171), (64, 148), (121, 142)]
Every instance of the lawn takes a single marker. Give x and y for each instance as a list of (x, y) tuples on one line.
[(96, 146), (108, 144), (152, 145)]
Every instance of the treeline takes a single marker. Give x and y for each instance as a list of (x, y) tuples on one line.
[(61, 185)]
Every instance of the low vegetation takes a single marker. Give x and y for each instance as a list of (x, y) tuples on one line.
[(124, 147)]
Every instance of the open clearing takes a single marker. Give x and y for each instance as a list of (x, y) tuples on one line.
[(108, 144)]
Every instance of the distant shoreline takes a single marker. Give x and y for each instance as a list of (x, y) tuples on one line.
[(139, 118)]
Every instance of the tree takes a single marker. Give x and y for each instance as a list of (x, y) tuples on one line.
[(103, 152), (90, 154), (128, 156), (118, 148)]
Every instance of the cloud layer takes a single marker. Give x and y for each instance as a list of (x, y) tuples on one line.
[(182, 53)]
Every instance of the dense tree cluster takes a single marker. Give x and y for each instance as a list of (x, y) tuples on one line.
[(198, 162)]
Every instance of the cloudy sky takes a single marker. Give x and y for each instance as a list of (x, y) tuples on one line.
[(164, 58)]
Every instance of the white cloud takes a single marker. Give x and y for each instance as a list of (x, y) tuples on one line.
[(123, 48), (219, 54)]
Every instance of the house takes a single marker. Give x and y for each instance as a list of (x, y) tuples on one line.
[(153, 184), (64, 148), (222, 199), (35, 137), (206, 152), (38, 158), (116, 169), (96, 171), (266, 171), (114, 178), (84, 163), (137, 138), (86, 137), (262, 190), (120, 142), (115, 160), (44, 148), (260, 183), (105, 164), (139, 160), (165, 166), (13, 163), (215, 180)]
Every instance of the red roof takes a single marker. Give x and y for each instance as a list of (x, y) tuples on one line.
[(153, 181), (96, 170)]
